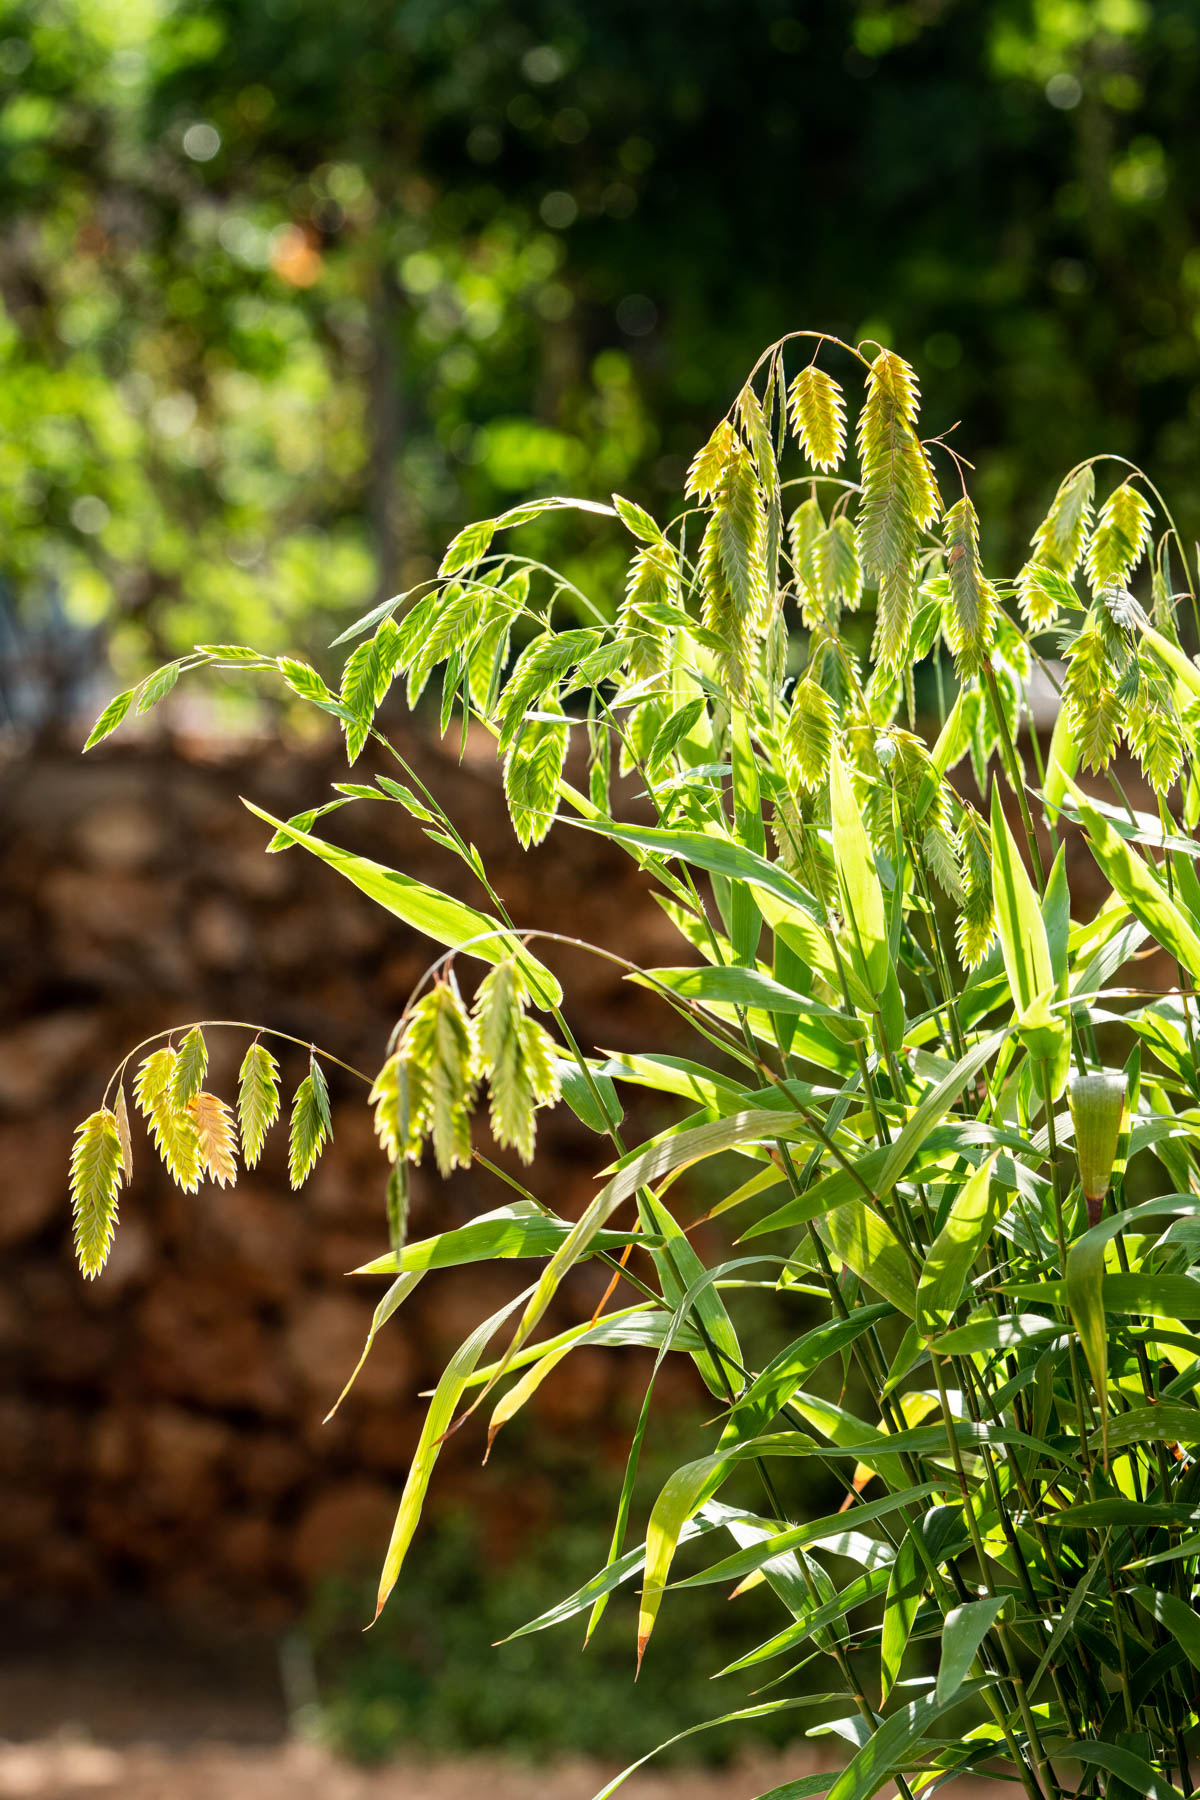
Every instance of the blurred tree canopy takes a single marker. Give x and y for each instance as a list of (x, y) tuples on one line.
[(290, 290)]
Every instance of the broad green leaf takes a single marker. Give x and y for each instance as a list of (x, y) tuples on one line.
[(1062, 760), (1175, 1616), (1133, 1771), (813, 1622), (617, 1572), (889, 1748), (964, 1631), (933, 1108), (867, 1246), (771, 1390), (746, 919), (1158, 1296), (1161, 1424), (977, 1206), (801, 1789), (595, 1103), (1007, 1333), (444, 920)]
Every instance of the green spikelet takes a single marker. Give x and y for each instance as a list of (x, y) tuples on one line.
[(839, 572), (439, 1050), (517, 1055), (311, 1124), (258, 1100), (808, 736), (971, 618), (400, 1096), (900, 499), (977, 921), (721, 614), (653, 580), (940, 855), (154, 1079), (817, 411), (741, 523), (1058, 546), (190, 1069), (805, 527), (1153, 734), (893, 618), (754, 428), (171, 1126), (708, 464), (1094, 712), (1119, 541), (532, 771), (95, 1187)]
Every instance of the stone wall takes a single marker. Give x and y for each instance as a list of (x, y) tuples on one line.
[(160, 1429)]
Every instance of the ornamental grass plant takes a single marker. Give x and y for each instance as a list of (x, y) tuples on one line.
[(954, 1112)]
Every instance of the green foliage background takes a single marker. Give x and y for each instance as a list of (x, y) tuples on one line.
[(289, 291)]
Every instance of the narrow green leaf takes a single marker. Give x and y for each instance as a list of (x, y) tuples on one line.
[(1132, 1770), (446, 921), (437, 1422), (906, 1584), (518, 1230), (866, 931), (975, 1210), (1018, 916)]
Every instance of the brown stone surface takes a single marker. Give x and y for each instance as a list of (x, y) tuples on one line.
[(161, 1432)]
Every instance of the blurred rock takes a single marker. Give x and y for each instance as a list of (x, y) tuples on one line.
[(161, 1430)]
